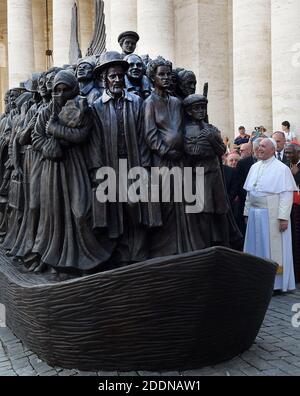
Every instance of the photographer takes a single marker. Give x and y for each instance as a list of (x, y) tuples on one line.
[(242, 138), (259, 132)]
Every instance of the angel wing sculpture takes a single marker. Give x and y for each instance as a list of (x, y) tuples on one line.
[(75, 51), (98, 43)]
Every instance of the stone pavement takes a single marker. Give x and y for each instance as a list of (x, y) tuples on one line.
[(276, 351)]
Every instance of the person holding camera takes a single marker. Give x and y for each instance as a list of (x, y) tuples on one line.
[(242, 138)]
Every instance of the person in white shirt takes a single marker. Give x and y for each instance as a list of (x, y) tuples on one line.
[(270, 186), (289, 135)]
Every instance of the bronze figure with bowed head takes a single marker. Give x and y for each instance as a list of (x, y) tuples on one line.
[(204, 148), (65, 240), (186, 82)]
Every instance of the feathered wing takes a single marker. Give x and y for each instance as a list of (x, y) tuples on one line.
[(98, 43), (75, 51)]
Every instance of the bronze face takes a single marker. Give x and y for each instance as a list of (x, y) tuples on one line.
[(163, 77), (63, 93), (84, 72), (198, 111), (188, 86), (49, 81), (42, 86), (115, 80), (129, 46), (136, 67)]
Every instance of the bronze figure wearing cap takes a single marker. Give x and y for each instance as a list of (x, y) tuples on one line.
[(128, 41)]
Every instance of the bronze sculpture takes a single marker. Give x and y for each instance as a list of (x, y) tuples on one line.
[(14, 166), (128, 41), (11, 121), (22, 245), (135, 80), (155, 134), (186, 82), (65, 190), (163, 116), (30, 259), (118, 116), (84, 73), (204, 148), (58, 144)]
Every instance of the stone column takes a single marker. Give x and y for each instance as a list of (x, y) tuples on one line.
[(39, 33), (202, 45), (230, 132), (20, 41), (86, 10), (3, 73), (122, 18), (252, 74), (156, 27), (62, 16), (286, 63)]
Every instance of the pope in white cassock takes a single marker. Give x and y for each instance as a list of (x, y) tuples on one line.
[(270, 186)]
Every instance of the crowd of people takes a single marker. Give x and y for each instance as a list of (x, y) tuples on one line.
[(239, 160)]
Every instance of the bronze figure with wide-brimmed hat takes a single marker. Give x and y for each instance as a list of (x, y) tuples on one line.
[(109, 59)]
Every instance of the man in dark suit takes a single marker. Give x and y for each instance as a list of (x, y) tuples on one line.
[(231, 183), (242, 170), (280, 140), (292, 153)]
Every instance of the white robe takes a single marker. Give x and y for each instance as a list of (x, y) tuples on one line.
[(270, 185)]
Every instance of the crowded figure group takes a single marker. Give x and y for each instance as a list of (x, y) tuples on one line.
[(263, 184), (63, 125)]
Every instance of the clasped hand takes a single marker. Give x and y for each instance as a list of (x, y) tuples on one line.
[(283, 225)]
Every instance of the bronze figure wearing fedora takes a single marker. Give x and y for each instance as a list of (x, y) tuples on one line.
[(118, 116)]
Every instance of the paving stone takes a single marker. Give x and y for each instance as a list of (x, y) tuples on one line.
[(251, 371), (20, 363), (87, 374), (149, 373), (259, 363), (8, 374), (236, 373), (283, 365), (170, 374), (41, 368), (51, 373), (294, 360), (26, 372), (201, 373), (107, 373), (5, 366), (274, 373), (67, 373), (128, 374)]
